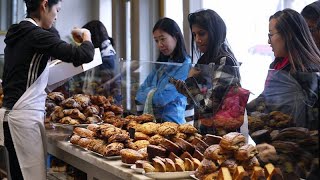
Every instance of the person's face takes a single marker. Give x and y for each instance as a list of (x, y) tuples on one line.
[(49, 15), (276, 41), (165, 42), (201, 37), (314, 31)]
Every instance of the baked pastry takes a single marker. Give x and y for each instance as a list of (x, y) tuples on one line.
[(210, 176), (180, 135), (184, 145), (112, 149), (224, 174), (154, 151), (83, 142), (82, 99), (232, 141), (199, 144), (250, 163), (207, 167), (171, 146), (231, 164), (123, 137), (75, 138), (167, 129), (172, 156), (179, 164), (57, 114), (187, 129), (276, 174), (110, 131), (240, 174), (246, 152), (83, 132), (95, 145), (141, 136), (130, 156), (141, 143), (156, 139), (93, 127), (108, 114), (139, 163), (144, 152), (185, 155), (197, 154), (267, 153), (212, 139), (147, 167), (57, 97), (91, 110), (257, 173), (170, 167), (70, 103), (188, 164), (196, 163), (213, 152), (158, 165), (261, 136), (69, 120), (147, 128), (100, 100), (145, 118)]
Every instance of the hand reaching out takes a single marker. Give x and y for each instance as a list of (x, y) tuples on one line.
[(81, 34)]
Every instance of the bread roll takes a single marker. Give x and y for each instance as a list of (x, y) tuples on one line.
[(75, 138), (232, 141), (147, 167), (246, 152), (156, 139), (213, 152), (158, 165), (170, 167), (83, 142), (140, 136), (196, 163), (231, 164), (207, 167), (179, 164), (187, 128), (188, 164), (130, 156), (83, 132)]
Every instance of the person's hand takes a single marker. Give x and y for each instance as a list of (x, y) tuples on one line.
[(81, 34), (180, 86), (194, 72)]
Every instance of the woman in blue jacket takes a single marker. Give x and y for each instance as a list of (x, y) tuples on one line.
[(160, 97)]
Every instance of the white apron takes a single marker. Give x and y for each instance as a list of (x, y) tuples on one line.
[(26, 122)]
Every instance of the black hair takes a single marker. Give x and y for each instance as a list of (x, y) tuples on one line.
[(302, 50), (33, 6), (312, 12), (171, 27), (210, 21), (98, 32)]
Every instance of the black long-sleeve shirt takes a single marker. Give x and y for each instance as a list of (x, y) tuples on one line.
[(28, 49)]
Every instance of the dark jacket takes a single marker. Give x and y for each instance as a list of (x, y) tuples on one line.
[(28, 49)]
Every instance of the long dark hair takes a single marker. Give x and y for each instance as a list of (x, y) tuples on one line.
[(304, 54), (210, 21), (171, 27), (33, 6), (312, 12), (98, 32)]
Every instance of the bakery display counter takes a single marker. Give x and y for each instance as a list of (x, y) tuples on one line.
[(95, 166)]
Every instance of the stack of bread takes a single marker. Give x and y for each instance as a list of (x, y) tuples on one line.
[(230, 157), (104, 139), (80, 109)]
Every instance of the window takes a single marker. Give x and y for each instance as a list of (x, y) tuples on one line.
[(173, 10)]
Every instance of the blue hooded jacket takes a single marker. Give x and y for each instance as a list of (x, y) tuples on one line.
[(168, 104)]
